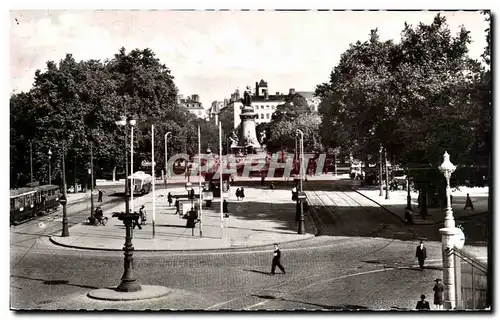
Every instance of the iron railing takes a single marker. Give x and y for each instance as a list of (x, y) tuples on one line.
[(471, 277)]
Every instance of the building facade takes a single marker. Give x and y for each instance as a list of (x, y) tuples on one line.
[(192, 104)]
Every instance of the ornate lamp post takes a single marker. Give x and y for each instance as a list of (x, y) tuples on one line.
[(128, 281), (447, 168), (166, 157), (50, 155), (450, 238), (301, 195)]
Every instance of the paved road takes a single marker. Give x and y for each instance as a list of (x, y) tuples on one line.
[(362, 269)]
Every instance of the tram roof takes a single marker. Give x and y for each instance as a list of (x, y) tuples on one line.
[(21, 191)]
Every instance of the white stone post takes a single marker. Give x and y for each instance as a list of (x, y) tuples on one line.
[(449, 237)]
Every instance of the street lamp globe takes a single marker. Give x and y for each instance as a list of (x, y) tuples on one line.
[(447, 168), (132, 122), (188, 186), (49, 153), (122, 122)]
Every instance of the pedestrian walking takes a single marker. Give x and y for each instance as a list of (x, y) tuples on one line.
[(438, 294), (468, 203), (238, 194), (177, 205), (423, 304), (169, 199), (99, 197), (276, 260), (143, 215), (271, 185), (242, 193), (225, 209), (136, 221), (408, 216), (421, 254), (262, 180)]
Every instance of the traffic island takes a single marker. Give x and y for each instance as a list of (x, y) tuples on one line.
[(146, 292)]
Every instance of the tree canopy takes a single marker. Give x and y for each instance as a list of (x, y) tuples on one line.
[(417, 98), (75, 104)]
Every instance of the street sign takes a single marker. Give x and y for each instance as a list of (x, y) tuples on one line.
[(63, 200), (145, 163), (301, 195)]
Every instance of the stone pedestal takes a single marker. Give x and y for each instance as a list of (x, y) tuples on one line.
[(248, 135), (449, 238)]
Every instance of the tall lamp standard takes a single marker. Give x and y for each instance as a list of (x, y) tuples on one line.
[(386, 175), (132, 184), (188, 188), (50, 155), (166, 158), (408, 187), (31, 161), (301, 196), (128, 281), (63, 201), (451, 237), (380, 171), (91, 173)]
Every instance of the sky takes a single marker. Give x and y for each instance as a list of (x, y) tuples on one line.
[(211, 53)]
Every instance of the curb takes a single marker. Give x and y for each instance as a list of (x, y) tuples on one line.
[(235, 248), (421, 224)]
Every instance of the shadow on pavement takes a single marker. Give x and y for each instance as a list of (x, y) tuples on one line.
[(257, 271), (55, 282)]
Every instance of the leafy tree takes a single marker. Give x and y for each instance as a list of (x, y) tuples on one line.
[(415, 98), (74, 105)]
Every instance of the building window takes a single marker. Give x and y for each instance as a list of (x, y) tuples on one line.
[(267, 115), (267, 107), (262, 116), (262, 106), (272, 107)]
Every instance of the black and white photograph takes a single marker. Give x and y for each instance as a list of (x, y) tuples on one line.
[(250, 159)]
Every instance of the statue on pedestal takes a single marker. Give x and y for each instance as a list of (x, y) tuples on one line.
[(248, 136)]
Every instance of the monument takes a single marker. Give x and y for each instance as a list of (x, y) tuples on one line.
[(248, 136)]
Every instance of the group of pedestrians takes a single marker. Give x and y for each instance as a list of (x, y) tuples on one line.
[(421, 255)]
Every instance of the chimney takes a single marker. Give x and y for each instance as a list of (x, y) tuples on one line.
[(266, 95), (291, 91), (256, 88), (277, 93)]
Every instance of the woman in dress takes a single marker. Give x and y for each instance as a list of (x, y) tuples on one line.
[(438, 294)]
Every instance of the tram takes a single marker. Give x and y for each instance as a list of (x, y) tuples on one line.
[(29, 202), (142, 182)]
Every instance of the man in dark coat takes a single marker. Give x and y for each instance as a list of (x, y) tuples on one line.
[(99, 197), (421, 254), (468, 203), (177, 205), (225, 209), (169, 199), (276, 260)]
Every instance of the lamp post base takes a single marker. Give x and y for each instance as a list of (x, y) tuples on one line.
[(128, 286), (302, 228)]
